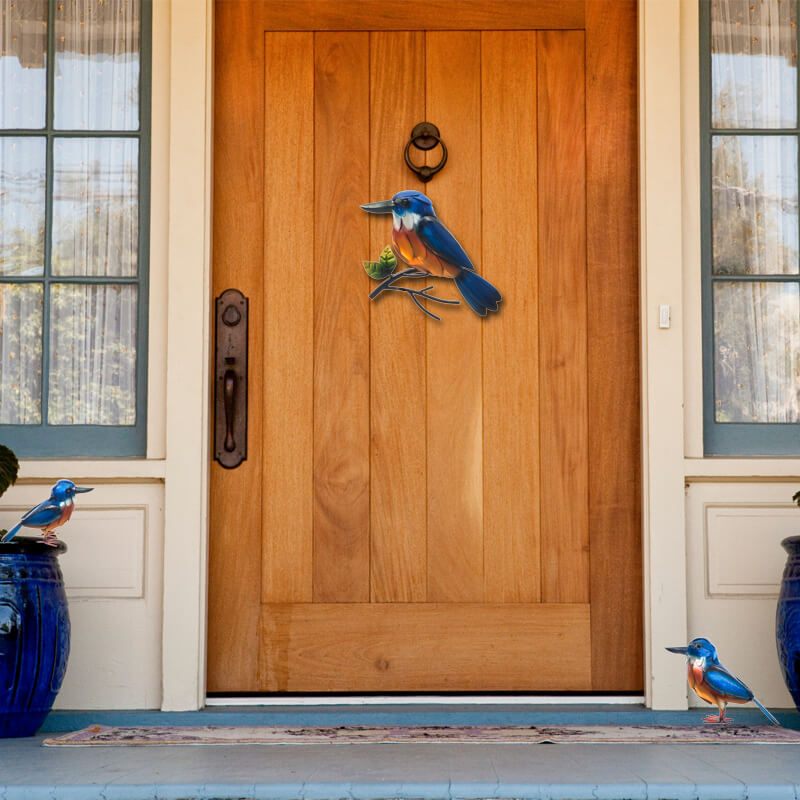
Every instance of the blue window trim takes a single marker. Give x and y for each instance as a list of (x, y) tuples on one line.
[(729, 438), (94, 441)]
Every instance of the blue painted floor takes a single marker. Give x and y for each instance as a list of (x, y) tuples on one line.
[(410, 771)]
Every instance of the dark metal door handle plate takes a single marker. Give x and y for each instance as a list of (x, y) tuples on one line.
[(230, 384), (425, 136)]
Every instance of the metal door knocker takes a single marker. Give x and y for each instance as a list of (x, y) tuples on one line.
[(425, 136)]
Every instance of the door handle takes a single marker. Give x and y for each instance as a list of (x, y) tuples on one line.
[(229, 398), (230, 383)]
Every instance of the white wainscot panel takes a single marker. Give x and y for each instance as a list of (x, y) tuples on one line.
[(113, 576), (734, 566), (743, 553)]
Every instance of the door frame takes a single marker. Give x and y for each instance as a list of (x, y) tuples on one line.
[(188, 385)]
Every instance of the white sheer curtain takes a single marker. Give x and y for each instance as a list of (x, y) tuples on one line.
[(97, 64), (20, 354), (757, 359), (92, 360), (755, 211), (753, 63)]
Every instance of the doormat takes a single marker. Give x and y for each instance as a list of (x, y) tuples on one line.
[(355, 734)]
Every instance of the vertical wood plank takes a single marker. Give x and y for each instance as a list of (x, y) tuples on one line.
[(398, 504), (341, 318), (614, 405), (510, 338), (287, 323), (235, 526), (562, 316), (454, 426)]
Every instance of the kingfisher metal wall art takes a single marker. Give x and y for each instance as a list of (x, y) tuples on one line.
[(421, 241)]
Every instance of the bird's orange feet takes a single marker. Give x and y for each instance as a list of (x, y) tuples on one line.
[(713, 719), (50, 538)]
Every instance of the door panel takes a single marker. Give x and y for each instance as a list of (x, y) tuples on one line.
[(420, 496), (288, 303), (512, 534), (424, 647), (562, 318), (398, 505)]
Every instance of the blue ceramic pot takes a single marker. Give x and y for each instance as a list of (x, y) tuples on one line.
[(787, 619), (34, 633)]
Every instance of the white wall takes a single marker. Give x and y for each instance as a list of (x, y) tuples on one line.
[(113, 576), (114, 567), (737, 510)]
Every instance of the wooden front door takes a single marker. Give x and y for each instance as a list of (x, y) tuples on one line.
[(429, 506)]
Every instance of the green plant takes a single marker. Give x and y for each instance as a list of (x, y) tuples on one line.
[(9, 468)]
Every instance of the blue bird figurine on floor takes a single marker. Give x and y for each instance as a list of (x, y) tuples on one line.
[(51, 513), (420, 239), (713, 683)]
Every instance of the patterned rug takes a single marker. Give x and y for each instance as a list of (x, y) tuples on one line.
[(354, 734)]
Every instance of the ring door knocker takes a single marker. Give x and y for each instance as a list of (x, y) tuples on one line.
[(425, 136)]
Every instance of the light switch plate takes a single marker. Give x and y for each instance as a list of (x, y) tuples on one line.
[(663, 316)]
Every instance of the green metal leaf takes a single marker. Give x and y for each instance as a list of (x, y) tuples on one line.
[(383, 267)]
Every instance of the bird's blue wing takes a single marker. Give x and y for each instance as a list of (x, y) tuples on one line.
[(725, 684), (435, 236), (43, 514)]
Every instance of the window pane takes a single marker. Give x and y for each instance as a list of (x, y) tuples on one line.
[(97, 64), (753, 64), (754, 205), (756, 352), (22, 185), (23, 54), (95, 207), (92, 355), (20, 353)]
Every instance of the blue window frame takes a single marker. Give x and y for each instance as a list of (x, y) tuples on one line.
[(74, 226), (750, 236)]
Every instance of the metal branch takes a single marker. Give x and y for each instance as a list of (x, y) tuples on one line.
[(414, 294)]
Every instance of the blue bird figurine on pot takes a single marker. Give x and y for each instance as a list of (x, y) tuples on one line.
[(50, 513)]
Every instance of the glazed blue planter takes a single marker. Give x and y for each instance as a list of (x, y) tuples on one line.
[(787, 619), (34, 633)]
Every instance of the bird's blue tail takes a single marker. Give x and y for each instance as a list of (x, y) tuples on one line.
[(480, 295), (12, 533), (767, 713)]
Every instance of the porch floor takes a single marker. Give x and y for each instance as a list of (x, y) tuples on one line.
[(378, 771)]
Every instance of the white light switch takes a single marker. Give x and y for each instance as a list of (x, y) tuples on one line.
[(663, 316)]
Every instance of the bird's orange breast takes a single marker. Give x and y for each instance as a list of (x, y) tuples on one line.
[(701, 688), (416, 254)]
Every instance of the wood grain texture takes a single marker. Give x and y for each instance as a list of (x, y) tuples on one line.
[(406, 15), (341, 318), (288, 310), (614, 380), (421, 647), (562, 318), (398, 507), (511, 526), (454, 425), (235, 526)]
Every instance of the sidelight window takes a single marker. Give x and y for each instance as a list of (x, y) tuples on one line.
[(751, 274), (74, 167)]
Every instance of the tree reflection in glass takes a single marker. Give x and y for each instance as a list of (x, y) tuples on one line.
[(754, 63), (756, 352)]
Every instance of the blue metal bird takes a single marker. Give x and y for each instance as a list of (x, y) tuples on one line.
[(421, 240), (51, 513), (712, 682)]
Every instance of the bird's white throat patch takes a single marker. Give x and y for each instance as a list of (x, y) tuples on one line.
[(408, 221)]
